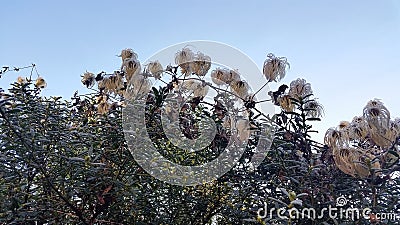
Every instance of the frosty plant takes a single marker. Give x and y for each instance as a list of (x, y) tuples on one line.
[(199, 98), (366, 147), (134, 149), (298, 108)]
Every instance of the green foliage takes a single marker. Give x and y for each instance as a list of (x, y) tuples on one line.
[(62, 162)]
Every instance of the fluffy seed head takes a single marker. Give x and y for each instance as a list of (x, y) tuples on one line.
[(299, 88), (155, 68), (40, 83), (241, 88), (88, 79), (128, 54), (274, 68)]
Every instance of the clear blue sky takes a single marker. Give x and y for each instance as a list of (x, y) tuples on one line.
[(348, 50)]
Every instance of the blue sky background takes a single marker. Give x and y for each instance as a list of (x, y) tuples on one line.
[(348, 50)]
